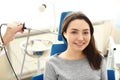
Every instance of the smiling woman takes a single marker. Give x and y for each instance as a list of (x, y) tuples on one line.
[(81, 54)]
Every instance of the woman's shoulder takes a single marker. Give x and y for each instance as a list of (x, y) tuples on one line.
[(53, 58)]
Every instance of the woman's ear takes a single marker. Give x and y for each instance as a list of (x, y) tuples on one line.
[(64, 34)]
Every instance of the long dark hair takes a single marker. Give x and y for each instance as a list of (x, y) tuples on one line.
[(91, 52)]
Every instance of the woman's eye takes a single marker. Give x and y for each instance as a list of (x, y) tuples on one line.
[(73, 32), (86, 32)]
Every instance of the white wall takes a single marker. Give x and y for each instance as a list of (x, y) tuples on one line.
[(28, 10), (96, 10)]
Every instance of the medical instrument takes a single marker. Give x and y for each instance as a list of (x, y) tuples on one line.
[(34, 48), (7, 53), (3, 47)]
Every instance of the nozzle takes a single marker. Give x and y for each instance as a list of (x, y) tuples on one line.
[(25, 27)]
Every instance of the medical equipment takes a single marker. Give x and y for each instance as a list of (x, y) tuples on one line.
[(113, 62), (34, 48), (7, 53)]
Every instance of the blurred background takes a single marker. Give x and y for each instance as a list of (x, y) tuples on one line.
[(43, 17)]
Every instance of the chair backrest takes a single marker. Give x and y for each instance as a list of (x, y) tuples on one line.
[(57, 48), (37, 77), (63, 14), (111, 74), (60, 47)]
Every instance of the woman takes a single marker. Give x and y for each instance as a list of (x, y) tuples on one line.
[(81, 60)]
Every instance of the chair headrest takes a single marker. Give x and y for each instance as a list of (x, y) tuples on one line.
[(63, 15)]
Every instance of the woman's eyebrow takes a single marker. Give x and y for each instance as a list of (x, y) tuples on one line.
[(78, 29), (85, 29), (74, 29)]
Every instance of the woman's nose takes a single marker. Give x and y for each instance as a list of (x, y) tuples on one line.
[(80, 37)]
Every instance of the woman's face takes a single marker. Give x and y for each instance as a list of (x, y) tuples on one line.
[(78, 35)]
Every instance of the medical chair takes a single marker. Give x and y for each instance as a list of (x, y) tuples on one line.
[(60, 47), (111, 74)]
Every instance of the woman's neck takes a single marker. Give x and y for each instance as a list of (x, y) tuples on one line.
[(71, 55)]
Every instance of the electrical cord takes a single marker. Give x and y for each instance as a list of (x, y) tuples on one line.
[(7, 53)]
